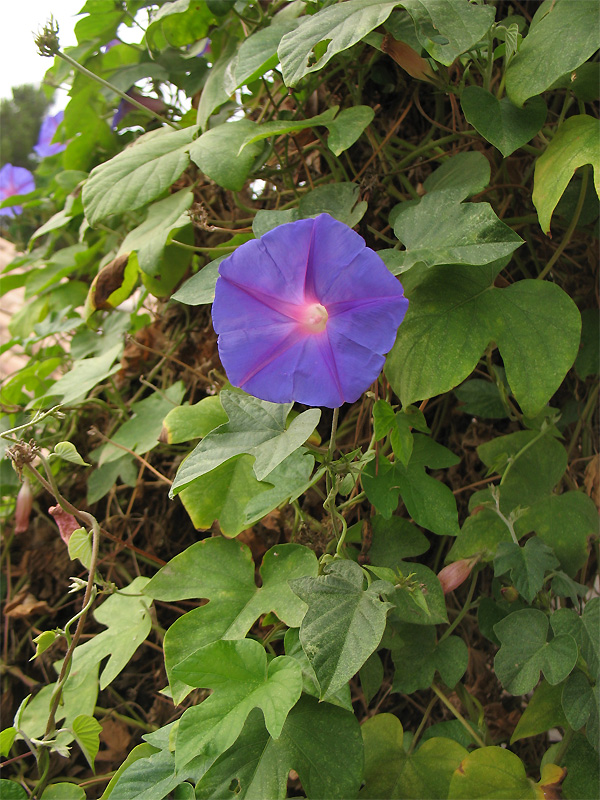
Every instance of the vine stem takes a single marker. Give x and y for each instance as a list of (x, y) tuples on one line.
[(457, 714), (464, 610), (107, 85), (92, 522)]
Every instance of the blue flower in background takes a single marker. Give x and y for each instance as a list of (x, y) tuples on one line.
[(306, 313), (14, 181), (109, 45), (45, 145)]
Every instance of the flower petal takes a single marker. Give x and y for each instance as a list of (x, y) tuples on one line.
[(234, 309), (334, 246), (357, 366), (372, 324), (366, 271), (262, 360), (275, 264)]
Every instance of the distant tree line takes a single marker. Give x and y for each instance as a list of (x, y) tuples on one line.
[(20, 120)]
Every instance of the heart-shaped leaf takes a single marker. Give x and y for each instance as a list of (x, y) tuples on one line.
[(500, 122)]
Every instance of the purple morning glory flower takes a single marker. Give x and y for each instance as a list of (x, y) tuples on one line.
[(109, 45), (306, 313), (45, 146), (14, 181), (153, 103)]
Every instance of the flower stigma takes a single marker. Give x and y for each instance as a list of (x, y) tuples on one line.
[(315, 318)]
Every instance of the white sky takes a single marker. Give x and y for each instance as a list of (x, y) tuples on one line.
[(20, 20)]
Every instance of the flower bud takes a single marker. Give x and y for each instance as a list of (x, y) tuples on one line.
[(24, 506), (454, 574), (510, 594), (66, 522)]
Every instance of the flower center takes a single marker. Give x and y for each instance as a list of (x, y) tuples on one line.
[(315, 318)]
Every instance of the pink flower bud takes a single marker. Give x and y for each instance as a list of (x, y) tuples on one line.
[(24, 506), (66, 522), (454, 574)]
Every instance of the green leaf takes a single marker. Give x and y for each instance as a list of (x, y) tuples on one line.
[(179, 23), (421, 600), (148, 778), (543, 712), (491, 772), (268, 129), (581, 705), (535, 463), (321, 742), (447, 29), (561, 37), (442, 230), (583, 629), (339, 27), (455, 313), (384, 421), (222, 571), (223, 494), (565, 522), (257, 54), (85, 374), (347, 127), (527, 565), (43, 641), (310, 685), (429, 502), (68, 452), (7, 737), (127, 619), (142, 431), (87, 735), (9, 790), (500, 122), (574, 144), (480, 534), (340, 200), (102, 479), (214, 93), (481, 399), (394, 540), (264, 221), (344, 623), (80, 547), (140, 751), (138, 175), (231, 493), (393, 774), (238, 673), (583, 770), (371, 676), (183, 423), (200, 288), (255, 427), (149, 238), (63, 791), (417, 657), (525, 651), (217, 153), (79, 697), (460, 176)]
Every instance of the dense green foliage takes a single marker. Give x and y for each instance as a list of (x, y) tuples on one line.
[(260, 590)]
